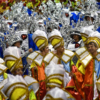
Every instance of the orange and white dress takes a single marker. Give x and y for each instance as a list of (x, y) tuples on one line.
[(36, 59)]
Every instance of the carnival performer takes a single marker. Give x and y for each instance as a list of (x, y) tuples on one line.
[(56, 78), (13, 62), (3, 69), (16, 40), (60, 55), (35, 59), (16, 88), (88, 69), (77, 41)]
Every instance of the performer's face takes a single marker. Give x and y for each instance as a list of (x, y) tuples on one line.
[(19, 72), (92, 48), (75, 37), (61, 49), (89, 18), (46, 50), (17, 44)]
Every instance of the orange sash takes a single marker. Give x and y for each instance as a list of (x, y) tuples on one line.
[(40, 76), (83, 83)]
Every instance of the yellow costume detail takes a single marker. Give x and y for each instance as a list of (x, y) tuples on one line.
[(57, 81), (17, 93), (80, 67)]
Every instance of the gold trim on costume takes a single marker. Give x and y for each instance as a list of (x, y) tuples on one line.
[(98, 56), (69, 93), (53, 86), (32, 83), (61, 42), (17, 62), (3, 63), (51, 98), (53, 37), (10, 56), (37, 62), (2, 71), (85, 35), (27, 93), (48, 56), (95, 40), (3, 83), (48, 80), (82, 57), (3, 95), (65, 54), (13, 85), (53, 55), (55, 75), (41, 38), (35, 59)]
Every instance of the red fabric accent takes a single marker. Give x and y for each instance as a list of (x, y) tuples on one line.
[(83, 83), (40, 76), (42, 91), (77, 45), (74, 93)]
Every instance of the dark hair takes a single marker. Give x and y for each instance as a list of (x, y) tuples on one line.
[(89, 16), (16, 42), (42, 49), (77, 35), (93, 44)]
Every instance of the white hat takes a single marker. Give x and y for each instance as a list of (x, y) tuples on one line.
[(55, 38), (94, 37), (40, 38), (16, 88), (85, 32), (54, 75), (32, 82), (58, 94), (13, 39), (12, 57), (75, 32)]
